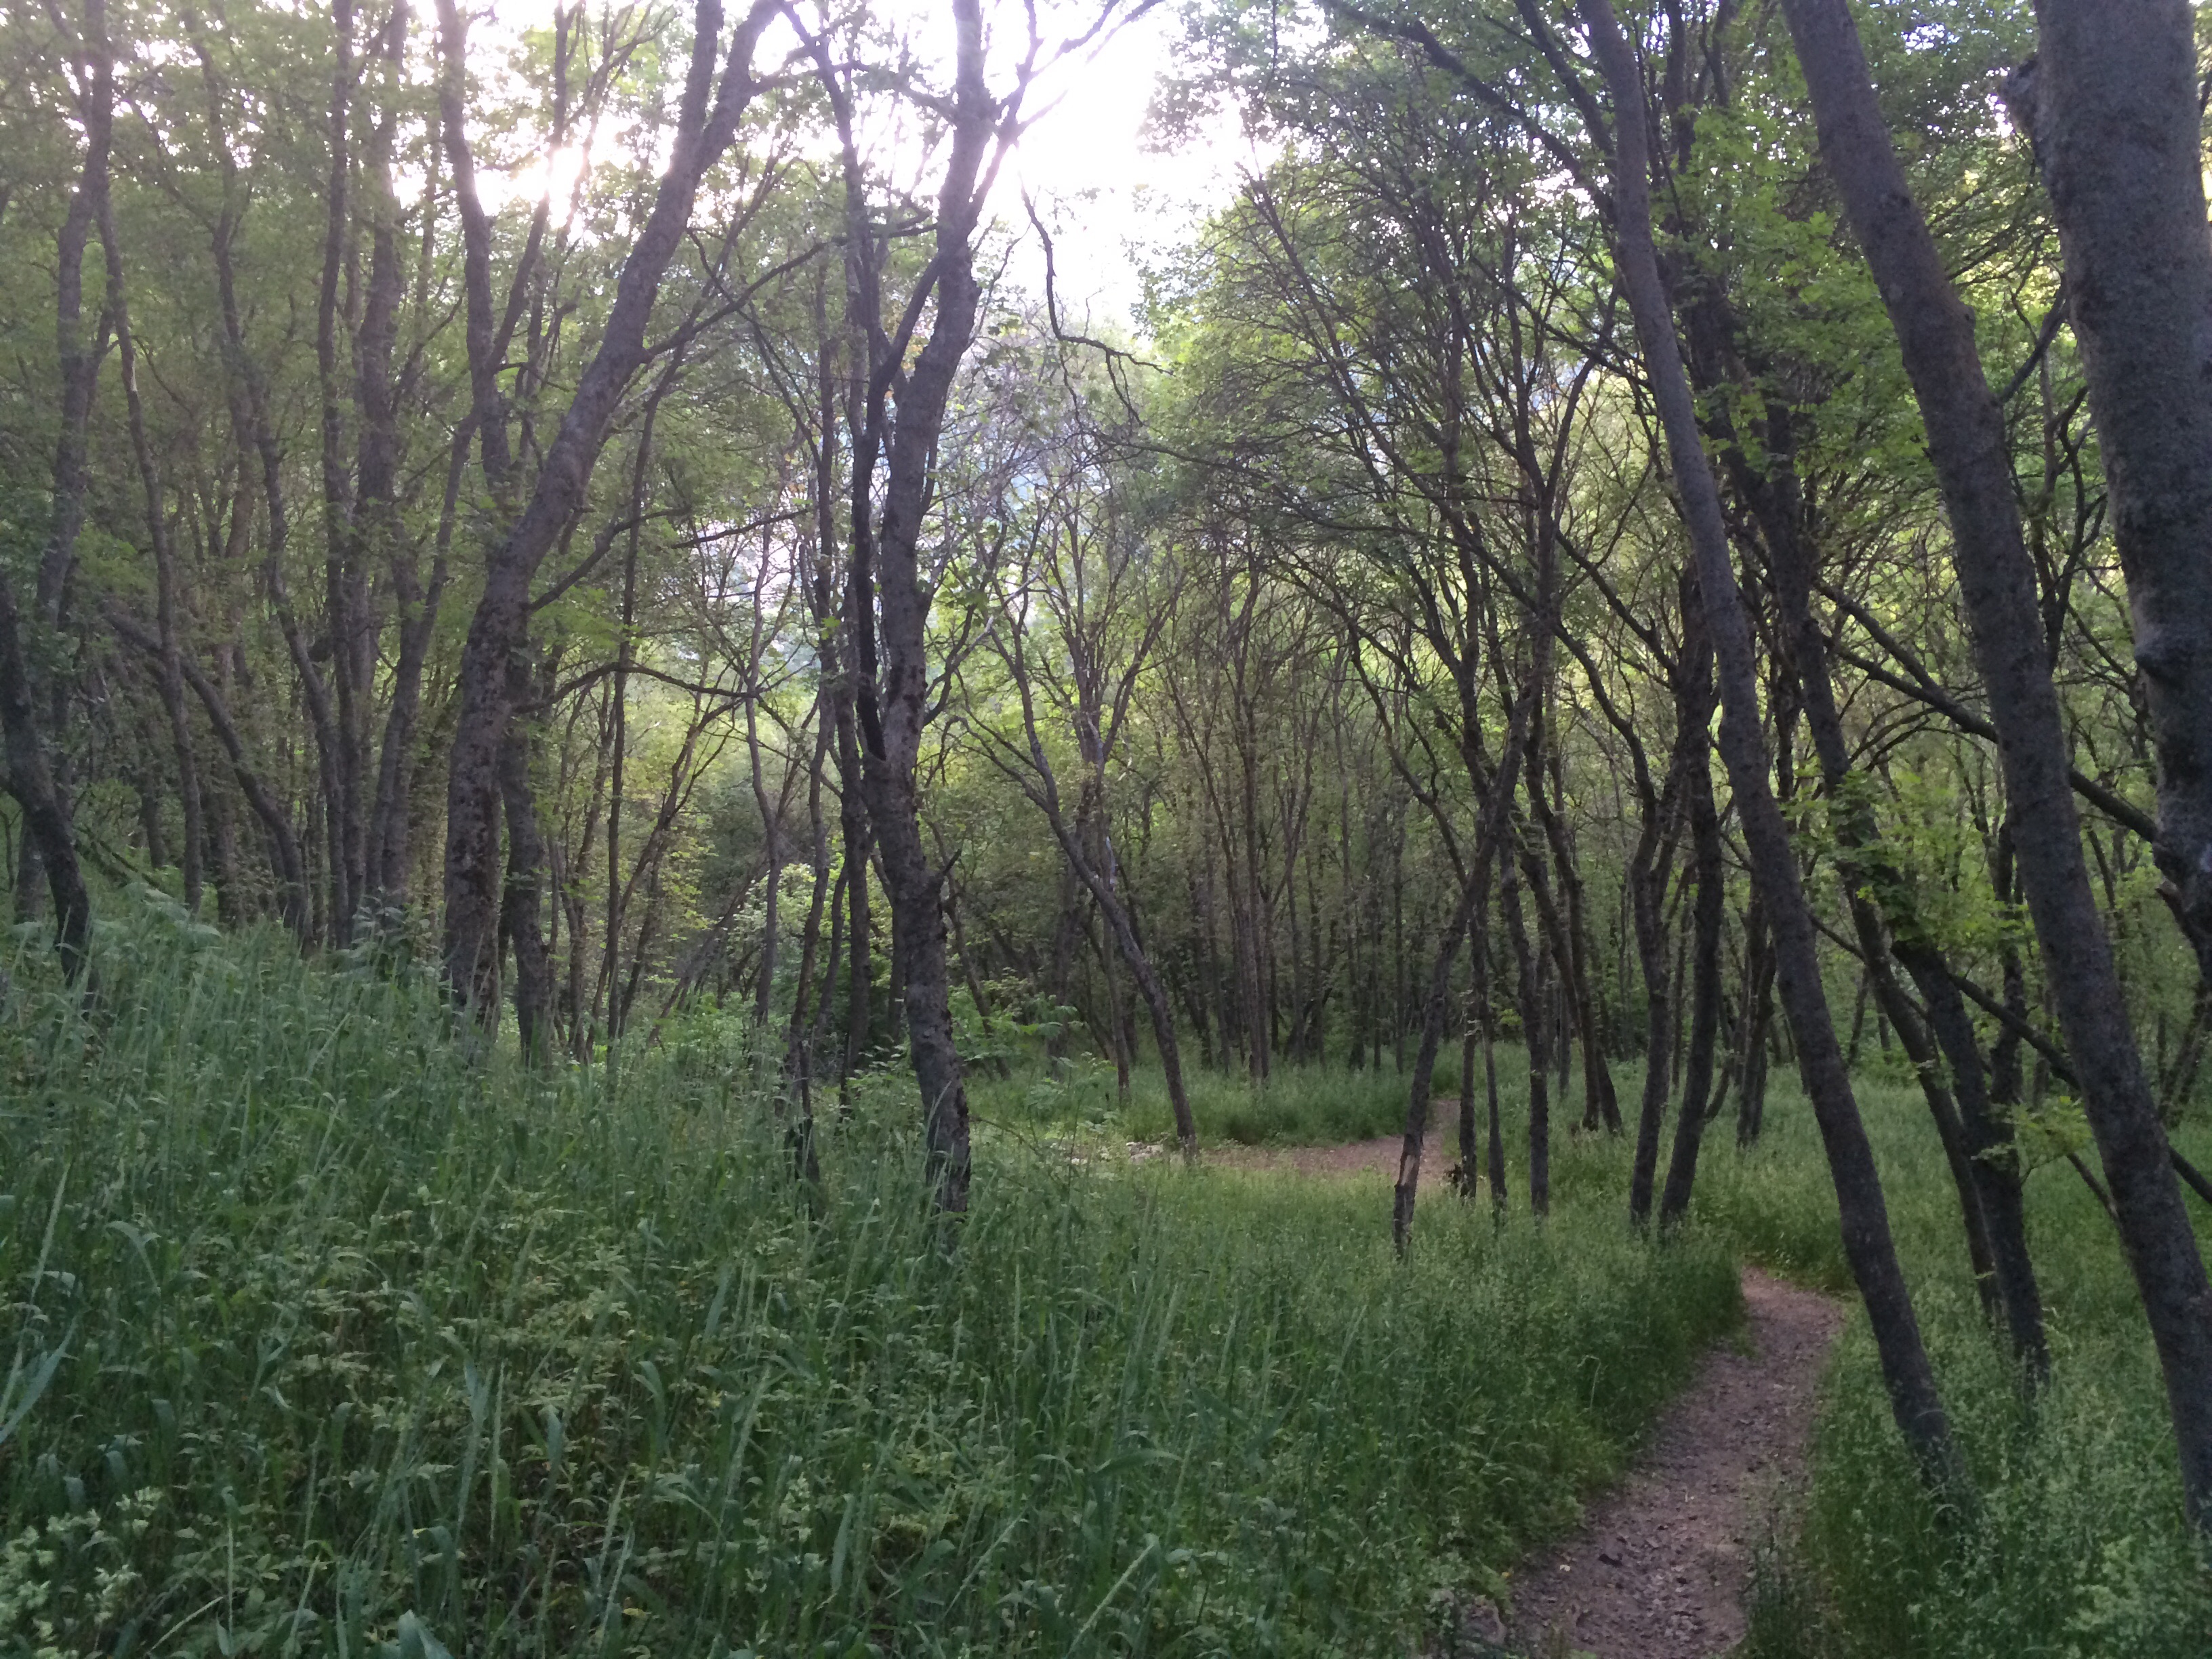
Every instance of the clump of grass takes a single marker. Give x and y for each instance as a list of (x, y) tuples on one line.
[(2076, 1545), (332, 1341)]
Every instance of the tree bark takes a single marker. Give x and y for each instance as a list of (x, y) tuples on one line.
[(1967, 441), (1868, 1244), (1707, 914), (1650, 873), (2111, 103)]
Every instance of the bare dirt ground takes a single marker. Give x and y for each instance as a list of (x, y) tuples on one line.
[(1662, 1565), (1439, 1151)]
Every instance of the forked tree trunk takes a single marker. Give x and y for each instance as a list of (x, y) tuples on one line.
[(1966, 442), (1490, 828), (711, 105), (1868, 1244)]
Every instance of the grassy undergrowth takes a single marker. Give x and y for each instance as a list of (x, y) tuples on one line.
[(327, 1341), (1298, 1106), (2077, 1547)]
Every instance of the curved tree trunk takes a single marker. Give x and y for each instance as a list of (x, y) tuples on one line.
[(1868, 1243), (1966, 442)]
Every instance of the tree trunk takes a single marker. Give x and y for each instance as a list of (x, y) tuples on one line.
[(1868, 1244), (292, 897), (2112, 105), (1529, 996), (1976, 1143), (1966, 442), (28, 704), (522, 893), (706, 123), (47, 822), (1490, 828), (1707, 914), (171, 672), (1650, 874), (1759, 1006)]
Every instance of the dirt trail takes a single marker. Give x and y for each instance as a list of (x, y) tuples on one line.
[(1660, 1566), (1662, 1563)]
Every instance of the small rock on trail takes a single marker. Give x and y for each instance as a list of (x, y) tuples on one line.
[(1661, 1567)]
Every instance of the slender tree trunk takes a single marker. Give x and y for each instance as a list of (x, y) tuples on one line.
[(1489, 829), (27, 703), (522, 893), (1966, 442), (171, 675), (1868, 1243), (292, 881), (342, 778), (1650, 874), (1707, 916), (1976, 1143), (1530, 998), (1601, 1104), (1759, 1005)]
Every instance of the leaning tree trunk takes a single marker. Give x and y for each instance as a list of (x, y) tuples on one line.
[(1975, 1144), (2112, 105), (1868, 1244), (1496, 810), (1966, 442)]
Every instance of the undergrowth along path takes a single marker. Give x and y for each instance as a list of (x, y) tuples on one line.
[(1660, 1568)]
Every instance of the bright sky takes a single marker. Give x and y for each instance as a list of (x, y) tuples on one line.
[(1110, 200)]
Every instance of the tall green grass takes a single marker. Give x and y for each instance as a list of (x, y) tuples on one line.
[(2076, 1547), (329, 1340), (1298, 1105)]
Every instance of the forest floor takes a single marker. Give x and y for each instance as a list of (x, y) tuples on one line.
[(1662, 1566)]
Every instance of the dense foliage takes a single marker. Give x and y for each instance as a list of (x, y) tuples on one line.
[(1636, 553)]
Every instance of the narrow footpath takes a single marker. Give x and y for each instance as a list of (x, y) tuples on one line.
[(1663, 1563), (1662, 1566)]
